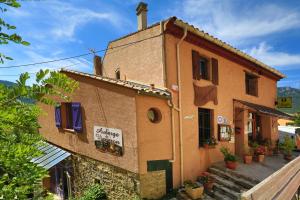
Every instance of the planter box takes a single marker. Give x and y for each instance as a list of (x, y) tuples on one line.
[(195, 193), (260, 158)]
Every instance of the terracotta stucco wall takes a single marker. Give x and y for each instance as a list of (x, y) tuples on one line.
[(154, 139), (231, 86), (118, 110), (141, 61)]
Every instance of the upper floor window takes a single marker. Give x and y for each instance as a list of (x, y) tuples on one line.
[(251, 82), (68, 116), (204, 68), (118, 74)]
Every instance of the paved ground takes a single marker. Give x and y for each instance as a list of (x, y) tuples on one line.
[(260, 171)]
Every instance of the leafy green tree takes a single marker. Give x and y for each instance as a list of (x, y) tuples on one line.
[(297, 119), (7, 30), (19, 137)]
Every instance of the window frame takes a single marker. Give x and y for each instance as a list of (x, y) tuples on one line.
[(208, 65), (251, 90), (203, 136)]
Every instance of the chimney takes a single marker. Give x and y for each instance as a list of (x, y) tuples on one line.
[(141, 12), (97, 65)]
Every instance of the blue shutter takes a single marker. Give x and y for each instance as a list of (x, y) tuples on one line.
[(58, 116), (77, 117)]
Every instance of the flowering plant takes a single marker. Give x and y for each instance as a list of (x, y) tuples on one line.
[(260, 150)]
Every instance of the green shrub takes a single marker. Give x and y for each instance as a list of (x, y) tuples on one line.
[(288, 145), (94, 192), (227, 155)]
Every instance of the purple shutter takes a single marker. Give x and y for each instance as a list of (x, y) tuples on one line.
[(58, 116), (77, 117)]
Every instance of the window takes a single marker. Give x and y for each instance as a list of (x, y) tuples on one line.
[(203, 63), (205, 125), (68, 116), (205, 68), (154, 115), (118, 74), (224, 132), (251, 84)]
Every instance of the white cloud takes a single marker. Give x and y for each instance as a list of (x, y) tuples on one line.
[(232, 22), (268, 55)]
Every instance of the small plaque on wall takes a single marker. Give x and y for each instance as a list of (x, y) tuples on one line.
[(109, 140)]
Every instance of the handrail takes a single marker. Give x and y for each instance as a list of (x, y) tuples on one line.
[(282, 184)]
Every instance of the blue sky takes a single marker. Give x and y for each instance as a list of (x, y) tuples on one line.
[(267, 30)]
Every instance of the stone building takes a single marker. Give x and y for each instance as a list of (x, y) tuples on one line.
[(139, 124)]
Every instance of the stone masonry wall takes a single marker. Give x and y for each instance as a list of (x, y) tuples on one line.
[(119, 184), (153, 184)]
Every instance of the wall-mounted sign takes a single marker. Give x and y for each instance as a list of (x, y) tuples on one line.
[(109, 140), (284, 102), (222, 120)]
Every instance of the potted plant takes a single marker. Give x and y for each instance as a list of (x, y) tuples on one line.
[(260, 153), (268, 145), (212, 142), (288, 146), (248, 155), (193, 189), (230, 159), (207, 181), (206, 144)]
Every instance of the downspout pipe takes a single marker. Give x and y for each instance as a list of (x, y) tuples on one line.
[(180, 103), (172, 108)]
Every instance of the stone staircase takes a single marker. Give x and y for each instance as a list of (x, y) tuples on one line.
[(228, 183)]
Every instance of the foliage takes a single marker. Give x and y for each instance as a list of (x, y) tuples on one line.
[(8, 35), (212, 141), (260, 150), (297, 120), (228, 156), (288, 145), (205, 178), (190, 184), (248, 151), (19, 138), (290, 92), (94, 192)]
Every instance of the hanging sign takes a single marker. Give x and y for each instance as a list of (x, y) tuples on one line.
[(284, 102), (109, 140)]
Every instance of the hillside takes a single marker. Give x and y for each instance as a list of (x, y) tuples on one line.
[(8, 83), (290, 92)]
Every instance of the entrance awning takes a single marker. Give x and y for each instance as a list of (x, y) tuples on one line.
[(265, 110), (52, 155)]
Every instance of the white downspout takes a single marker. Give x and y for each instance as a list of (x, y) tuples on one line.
[(179, 102)]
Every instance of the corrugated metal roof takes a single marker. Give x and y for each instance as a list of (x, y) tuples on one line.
[(265, 110), (52, 155), (147, 89)]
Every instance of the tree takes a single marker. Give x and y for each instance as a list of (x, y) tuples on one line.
[(5, 28), (297, 119), (19, 137)]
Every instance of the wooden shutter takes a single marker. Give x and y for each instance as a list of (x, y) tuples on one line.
[(196, 65), (58, 117), (215, 71), (77, 117)]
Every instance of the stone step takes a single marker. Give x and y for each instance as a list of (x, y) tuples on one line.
[(234, 173), (226, 191), (227, 183), (235, 179), (182, 195), (219, 196)]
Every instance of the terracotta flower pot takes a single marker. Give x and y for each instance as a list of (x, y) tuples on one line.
[(194, 193), (209, 186), (247, 159), (260, 158), (206, 146), (231, 165)]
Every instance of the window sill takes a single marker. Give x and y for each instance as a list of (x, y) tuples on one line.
[(252, 95), (69, 130)]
